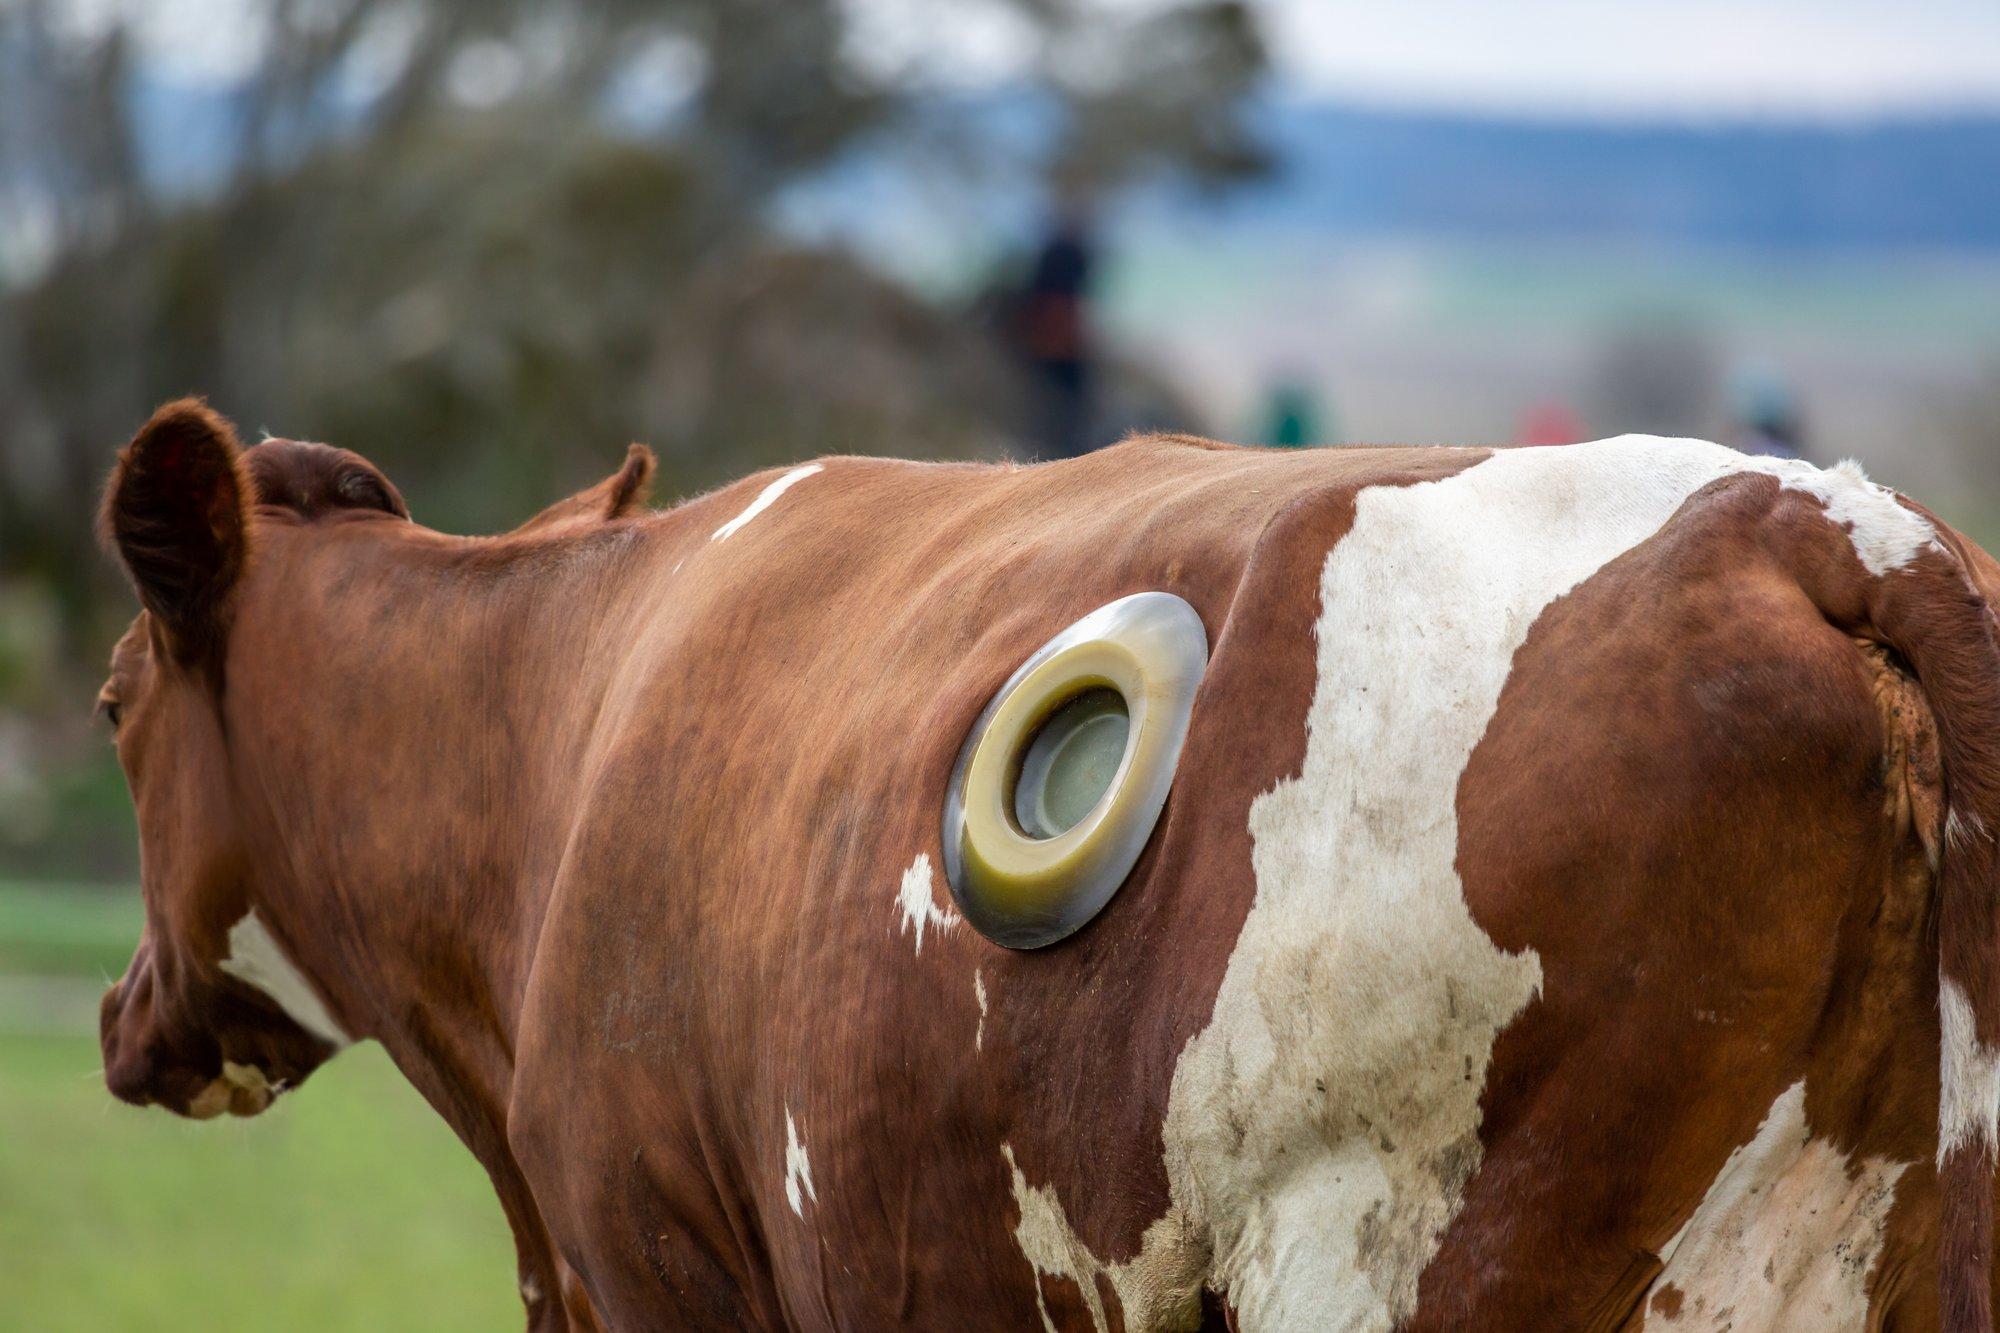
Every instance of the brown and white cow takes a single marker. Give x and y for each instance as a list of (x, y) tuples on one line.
[(1575, 908)]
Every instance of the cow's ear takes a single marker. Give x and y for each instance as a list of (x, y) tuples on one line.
[(177, 514), (619, 495)]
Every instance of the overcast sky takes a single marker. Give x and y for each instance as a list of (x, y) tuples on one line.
[(1693, 57), (1837, 56)]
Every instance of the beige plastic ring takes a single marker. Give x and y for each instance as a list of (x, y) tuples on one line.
[(1027, 888)]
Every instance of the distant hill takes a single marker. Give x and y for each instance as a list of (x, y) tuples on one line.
[(1902, 184), (1907, 183)]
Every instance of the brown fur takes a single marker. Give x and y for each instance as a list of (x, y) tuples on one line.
[(1934, 617), (313, 480), (620, 495), (177, 512), (598, 827)]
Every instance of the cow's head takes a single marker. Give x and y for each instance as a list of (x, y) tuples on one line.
[(213, 1014)]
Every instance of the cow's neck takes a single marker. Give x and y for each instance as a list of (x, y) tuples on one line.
[(424, 807), (413, 720)]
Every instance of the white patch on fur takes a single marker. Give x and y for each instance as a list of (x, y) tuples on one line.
[(1786, 1235), (1323, 1127), (1969, 1101), (256, 959), (1886, 534), (765, 499), (798, 1170), (1045, 1238), (1666, 1255), (1321, 1130), (1963, 828), (1050, 1246), (917, 904), (979, 994)]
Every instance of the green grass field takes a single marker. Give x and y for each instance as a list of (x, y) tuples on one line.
[(347, 1206)]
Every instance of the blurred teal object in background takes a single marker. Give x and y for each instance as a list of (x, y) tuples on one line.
[(1293, 417)]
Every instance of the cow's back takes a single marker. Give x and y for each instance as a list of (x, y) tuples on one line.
[(1477, 732)]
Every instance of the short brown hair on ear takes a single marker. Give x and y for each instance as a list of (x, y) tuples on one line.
[(177, 513), (619, 495)]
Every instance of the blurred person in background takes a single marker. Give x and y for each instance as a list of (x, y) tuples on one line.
[(1051, 327), (554, 226), (1765, 416)]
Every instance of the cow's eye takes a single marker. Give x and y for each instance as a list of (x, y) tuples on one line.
[(364, 492), (110, 710), (1062, 778)]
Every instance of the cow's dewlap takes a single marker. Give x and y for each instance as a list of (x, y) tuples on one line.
[(256, 959)]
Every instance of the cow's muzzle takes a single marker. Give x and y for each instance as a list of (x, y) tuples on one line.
[(147, 1064)]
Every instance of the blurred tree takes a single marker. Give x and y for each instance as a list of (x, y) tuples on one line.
[(487, 242), (1160, 92)]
